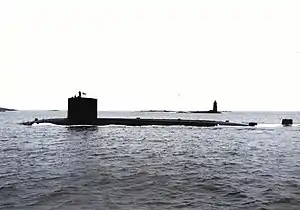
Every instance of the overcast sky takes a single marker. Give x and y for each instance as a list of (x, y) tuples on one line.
[(154, 54)]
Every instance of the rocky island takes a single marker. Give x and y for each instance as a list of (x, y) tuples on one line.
[(212, 111), (154, 110), (6, 110)]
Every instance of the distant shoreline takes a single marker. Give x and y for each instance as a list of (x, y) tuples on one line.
[(191, 112), (6, 110), (156, 111)]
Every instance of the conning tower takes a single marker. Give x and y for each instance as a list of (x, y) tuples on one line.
[(81, 109)]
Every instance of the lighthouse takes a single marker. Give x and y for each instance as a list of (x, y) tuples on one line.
[(215, 106)]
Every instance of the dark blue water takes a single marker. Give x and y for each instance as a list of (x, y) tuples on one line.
[(119, 167)]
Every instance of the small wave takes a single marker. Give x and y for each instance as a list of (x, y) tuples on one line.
[(275, 125), (236, 194), (8, 186), (11, 149), (288, 200)]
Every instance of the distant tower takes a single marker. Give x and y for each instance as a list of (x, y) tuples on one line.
[(215, 107)]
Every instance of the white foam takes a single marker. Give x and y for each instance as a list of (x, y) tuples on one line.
[(275, 125), (47, 124)]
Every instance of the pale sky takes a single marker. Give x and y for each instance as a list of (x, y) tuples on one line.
[(155, 54)]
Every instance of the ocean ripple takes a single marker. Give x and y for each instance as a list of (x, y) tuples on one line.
[(120, 167)]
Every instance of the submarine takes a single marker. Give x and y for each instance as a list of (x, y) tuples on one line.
[(83, 111)]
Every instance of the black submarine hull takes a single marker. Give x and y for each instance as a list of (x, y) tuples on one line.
[(136, 122)]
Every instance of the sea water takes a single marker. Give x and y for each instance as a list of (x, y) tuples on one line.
[(150, 167)]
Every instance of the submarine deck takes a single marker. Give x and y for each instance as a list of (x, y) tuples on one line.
[(137, 122)]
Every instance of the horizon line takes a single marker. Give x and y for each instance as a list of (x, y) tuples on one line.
[(162, 110)]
